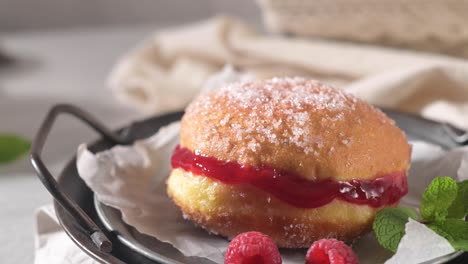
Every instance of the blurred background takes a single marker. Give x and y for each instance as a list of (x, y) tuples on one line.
[(27, 15), (108, 57)]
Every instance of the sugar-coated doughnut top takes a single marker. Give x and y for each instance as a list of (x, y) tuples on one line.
[(297, 125)]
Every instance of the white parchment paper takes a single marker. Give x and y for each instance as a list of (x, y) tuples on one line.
[(132, 179)]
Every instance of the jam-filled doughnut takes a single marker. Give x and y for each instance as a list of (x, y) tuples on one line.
[(292, 158)]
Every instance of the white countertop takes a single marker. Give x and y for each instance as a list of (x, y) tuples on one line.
[(53, 67)]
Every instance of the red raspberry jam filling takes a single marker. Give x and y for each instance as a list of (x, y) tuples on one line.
[(291, 188)]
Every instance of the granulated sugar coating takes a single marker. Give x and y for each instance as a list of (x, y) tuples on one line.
[(258, 122), (286, 101)]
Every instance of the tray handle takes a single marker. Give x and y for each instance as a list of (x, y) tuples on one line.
[(458, 135), (83, 220)]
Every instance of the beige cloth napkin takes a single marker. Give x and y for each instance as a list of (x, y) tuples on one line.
[(168, 69)]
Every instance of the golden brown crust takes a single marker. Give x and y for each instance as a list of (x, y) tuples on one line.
[(229, 210), (295, 125)]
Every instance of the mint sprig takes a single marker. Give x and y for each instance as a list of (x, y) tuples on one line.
[(12, 147), (389, 225), (444, 205)]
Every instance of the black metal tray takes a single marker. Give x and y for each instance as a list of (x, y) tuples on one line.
[(74, 200)]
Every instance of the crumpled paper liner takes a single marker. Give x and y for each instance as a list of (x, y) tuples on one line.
[(132, 179)]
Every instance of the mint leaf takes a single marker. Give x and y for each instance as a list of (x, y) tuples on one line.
[(12, 147), (440, 231), (459, 207), (437, 198), (389, 225), (455, 231)]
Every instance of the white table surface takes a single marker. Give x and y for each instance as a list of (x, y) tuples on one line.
[(53, 67)]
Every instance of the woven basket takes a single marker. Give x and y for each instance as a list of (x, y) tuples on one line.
[(430, 25)]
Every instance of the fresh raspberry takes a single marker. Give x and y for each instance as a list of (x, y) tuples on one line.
[(330, 251), (252, 248)]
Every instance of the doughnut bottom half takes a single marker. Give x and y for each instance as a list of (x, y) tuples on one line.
[(229, 210)]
